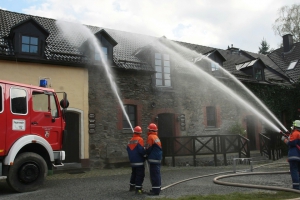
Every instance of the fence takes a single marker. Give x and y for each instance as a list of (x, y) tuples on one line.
[(271, 145), (205, 145)]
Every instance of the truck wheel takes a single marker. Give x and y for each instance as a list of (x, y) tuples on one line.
[(27, 173)]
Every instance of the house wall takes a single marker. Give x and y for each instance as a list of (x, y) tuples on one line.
[(109, 139), (72, 80), (189, 96)]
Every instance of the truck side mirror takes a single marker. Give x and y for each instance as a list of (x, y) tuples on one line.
[(64, 103)]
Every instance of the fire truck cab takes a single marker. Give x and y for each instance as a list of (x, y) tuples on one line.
[(32, 131)]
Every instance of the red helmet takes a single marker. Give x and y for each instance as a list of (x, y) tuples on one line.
[(152, 127), (137, 129)]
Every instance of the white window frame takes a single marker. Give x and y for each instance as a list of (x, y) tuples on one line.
[(163, 70)]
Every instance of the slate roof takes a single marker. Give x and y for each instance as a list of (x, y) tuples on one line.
[(283, 60), (128, 44), (58, 49), (197, 48)]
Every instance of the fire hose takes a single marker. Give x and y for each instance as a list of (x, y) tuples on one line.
[(216, 180)]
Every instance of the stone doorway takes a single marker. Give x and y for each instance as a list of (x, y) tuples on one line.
[(251, 134), (166, 125)]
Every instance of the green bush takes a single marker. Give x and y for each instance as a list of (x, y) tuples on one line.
[(237, 128)]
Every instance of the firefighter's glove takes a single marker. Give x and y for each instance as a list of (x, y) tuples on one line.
[(284, 139)]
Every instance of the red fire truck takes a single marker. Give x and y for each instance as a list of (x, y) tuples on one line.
[(32, 131)]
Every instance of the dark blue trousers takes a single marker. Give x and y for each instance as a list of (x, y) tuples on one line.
[(294, 170), (137, 176), (155, 178)]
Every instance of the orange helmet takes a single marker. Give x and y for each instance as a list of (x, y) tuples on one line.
[(152, 127), (137, 129)]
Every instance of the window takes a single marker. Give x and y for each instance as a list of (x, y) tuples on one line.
[(211, 116), (1, 100), (162, 67), (104, 53), (40, 103), (292, 65), (18, 101), (131, 112), (214, 66), (29, 44), (258, 74)]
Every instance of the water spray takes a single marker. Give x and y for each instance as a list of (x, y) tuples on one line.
[(68, 31), (177, 48)]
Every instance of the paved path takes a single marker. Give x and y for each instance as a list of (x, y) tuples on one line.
[(114, 183)]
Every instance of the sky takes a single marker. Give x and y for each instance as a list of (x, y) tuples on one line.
[(214, 23)]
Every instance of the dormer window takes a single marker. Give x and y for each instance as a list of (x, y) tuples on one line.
[(163, 70), (104, 54), (29, 44), (29, 39), (216, 62), (253, 68), (106, 45), (258, 74), (214, 67)]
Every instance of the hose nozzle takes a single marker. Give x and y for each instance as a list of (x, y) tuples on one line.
[(286, 134)]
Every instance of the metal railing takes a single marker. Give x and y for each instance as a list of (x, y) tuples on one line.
[(265, 145), (205, 145), (271, 145)]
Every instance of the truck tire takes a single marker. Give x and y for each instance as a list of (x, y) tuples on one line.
[(27, 173)]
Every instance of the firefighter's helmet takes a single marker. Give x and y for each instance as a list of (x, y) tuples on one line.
[(296, 123), (137, 129), (152, 127)]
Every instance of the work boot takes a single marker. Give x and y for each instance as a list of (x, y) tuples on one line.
[(131, 188), (139, 191), (151, 193)]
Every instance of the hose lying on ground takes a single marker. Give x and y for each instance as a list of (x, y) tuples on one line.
[(242, 174), (163, 188), (216, 180)]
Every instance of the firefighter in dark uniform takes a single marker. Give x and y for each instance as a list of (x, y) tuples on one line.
[(136, 154), (154, 156), (293, 142)]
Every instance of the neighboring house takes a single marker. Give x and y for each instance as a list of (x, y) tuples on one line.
[(158, 80), (287, 58), (31, 49)]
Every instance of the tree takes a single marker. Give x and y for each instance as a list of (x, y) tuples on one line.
[(288, 22), (265, 47)]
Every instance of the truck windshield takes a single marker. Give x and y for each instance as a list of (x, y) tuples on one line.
[(44, 102)]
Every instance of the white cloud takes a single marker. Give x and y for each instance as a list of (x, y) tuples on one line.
[(216, 23)]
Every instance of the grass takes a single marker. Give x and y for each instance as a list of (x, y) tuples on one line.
[(239, 196)]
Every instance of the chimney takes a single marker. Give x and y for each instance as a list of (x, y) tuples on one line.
[(287, 42)]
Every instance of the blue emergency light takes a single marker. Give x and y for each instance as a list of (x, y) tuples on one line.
[(43, 83)]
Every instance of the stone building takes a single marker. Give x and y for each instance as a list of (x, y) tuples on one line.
[(186, 89)]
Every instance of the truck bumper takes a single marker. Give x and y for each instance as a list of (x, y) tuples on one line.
[(59, 156)]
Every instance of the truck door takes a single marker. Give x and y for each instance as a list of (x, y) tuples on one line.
[(2, 122), (17, 113), (45, 118)]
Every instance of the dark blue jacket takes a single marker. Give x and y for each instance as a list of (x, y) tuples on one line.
[(294, 146), (136, 151), (153, 148)]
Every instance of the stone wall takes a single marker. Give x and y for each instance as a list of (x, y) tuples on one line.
[(189, 95)]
